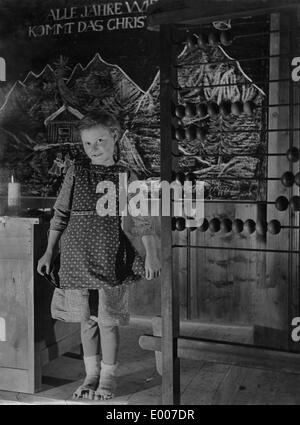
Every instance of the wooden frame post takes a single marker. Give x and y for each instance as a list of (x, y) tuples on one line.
[(170, 290)]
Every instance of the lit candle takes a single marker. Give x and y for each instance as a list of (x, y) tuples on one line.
[(14, 193)]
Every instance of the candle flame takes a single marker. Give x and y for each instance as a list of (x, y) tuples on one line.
[(12, 178)]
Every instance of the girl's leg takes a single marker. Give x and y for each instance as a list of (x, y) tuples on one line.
[(90, 339), (110, 341)]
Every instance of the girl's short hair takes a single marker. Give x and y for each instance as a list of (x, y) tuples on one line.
[(94, 118)]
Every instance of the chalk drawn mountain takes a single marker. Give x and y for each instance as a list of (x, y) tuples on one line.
[(103, 85), (28, 105), (145, 127), (229, 156), (25, 147)]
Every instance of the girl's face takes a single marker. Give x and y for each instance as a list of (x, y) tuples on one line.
[(99, 143)]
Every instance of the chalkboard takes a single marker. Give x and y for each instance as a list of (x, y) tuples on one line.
[(63, 59)]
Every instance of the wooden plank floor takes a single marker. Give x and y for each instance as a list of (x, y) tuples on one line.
[(139, 382)]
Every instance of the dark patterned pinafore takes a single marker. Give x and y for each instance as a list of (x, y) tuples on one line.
[(95, 251)]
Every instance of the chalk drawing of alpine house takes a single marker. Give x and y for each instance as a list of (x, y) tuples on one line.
[(38, 118), (62, 125)]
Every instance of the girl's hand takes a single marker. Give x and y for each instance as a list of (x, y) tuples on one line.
[(44, 263), (152, 266)]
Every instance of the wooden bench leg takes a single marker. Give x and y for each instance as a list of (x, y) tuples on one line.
[(157, 331)]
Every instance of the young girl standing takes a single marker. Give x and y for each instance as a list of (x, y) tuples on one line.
[(97, 260)]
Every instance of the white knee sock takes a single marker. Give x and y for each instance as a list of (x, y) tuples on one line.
[(109, 369), (91, 380), (92, 366), (107, 382)]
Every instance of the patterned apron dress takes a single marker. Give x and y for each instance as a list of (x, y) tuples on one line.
[(96, 255)]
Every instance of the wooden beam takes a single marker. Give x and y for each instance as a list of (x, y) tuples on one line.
[(169, 290), (201, 12), (229, 353)]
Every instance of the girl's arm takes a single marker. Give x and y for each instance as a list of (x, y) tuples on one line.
[(45, 262), (143, 227), (152, 262), (149, 243), (53, 239), (59, 221), (63, 204)]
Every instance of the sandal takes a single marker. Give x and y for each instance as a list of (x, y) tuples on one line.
[(85, 391), (107, 384), (91, 381)]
